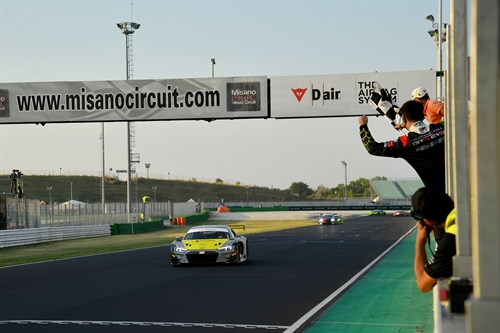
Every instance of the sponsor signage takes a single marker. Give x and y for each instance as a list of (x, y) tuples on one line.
[(134, 100), (367, 207), (343, 94)]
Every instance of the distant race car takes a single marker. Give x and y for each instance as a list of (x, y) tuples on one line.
[(400, 213), (210, 244), (377, 212), (330, 219)]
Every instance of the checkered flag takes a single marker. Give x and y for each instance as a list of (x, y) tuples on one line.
[(381, 101)]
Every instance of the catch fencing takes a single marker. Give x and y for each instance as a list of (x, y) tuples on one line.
[(26, 214)]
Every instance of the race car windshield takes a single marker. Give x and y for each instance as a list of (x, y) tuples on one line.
[(206, 235)]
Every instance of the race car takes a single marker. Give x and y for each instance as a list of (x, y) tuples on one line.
[(330, 219), (377, 212), (400, 213), (210, 244)]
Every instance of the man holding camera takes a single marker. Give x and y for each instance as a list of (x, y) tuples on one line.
[(433, 209), (422, 148), (13, 181)]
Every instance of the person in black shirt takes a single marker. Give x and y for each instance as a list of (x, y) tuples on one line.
[(433, 209), (423, 147)]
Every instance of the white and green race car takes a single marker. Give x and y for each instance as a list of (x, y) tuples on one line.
[(210, 244)]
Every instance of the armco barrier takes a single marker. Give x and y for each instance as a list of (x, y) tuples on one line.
[(18, 237), (136, 228)]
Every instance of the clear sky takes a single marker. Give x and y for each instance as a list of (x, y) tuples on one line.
[(66, 40)]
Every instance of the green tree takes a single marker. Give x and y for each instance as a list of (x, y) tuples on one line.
[(337, 192), (322, 192), (301, 189), (379, 178), (359, 187), (356, 188)]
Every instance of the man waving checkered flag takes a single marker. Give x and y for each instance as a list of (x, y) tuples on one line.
[(381, 101)]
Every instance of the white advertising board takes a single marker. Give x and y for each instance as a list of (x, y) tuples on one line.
[(134, 100), (342, 94)]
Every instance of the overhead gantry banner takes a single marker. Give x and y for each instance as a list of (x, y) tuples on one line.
[(134, 100), (342, 95), (307, 96)]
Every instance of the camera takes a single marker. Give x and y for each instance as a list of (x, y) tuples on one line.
[(426, 226), (15, 170)]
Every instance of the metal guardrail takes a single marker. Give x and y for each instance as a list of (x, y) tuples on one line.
[(18, 237)]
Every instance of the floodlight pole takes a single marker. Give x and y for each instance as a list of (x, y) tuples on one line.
[(439, 92), (344, 163), (128, 28), (437, 34), (213, 65)]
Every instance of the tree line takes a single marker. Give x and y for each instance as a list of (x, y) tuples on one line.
[(356, 188)]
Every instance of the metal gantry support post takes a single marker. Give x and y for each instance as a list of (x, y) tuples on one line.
[(483, 309), (457, 125)]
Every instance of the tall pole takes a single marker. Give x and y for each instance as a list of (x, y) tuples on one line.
[(128, 28), (213, 65), (344, 163), (129, 149), (440, 53), (103, 171)]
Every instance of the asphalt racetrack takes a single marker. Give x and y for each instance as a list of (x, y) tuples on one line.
[(289, 273)]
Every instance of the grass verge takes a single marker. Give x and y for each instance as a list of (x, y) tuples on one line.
[(81, 247)]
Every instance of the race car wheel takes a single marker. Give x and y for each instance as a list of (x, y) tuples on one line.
[(238, 259), (246, 252)]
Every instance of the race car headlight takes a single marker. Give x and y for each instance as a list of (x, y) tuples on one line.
[(178, 248), (227, 248)]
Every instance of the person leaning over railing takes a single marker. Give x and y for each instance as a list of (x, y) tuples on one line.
[(433, 209)]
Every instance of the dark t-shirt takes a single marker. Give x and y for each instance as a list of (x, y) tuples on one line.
[(441, 263)]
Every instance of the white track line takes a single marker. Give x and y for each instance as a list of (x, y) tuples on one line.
[(132, 323)]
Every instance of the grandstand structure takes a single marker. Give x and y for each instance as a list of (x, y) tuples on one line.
[(395, 192)]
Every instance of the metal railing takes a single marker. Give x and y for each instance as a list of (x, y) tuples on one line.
[(18, 237)]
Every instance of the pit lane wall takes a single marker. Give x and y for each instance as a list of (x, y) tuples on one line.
[(136, 228)]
